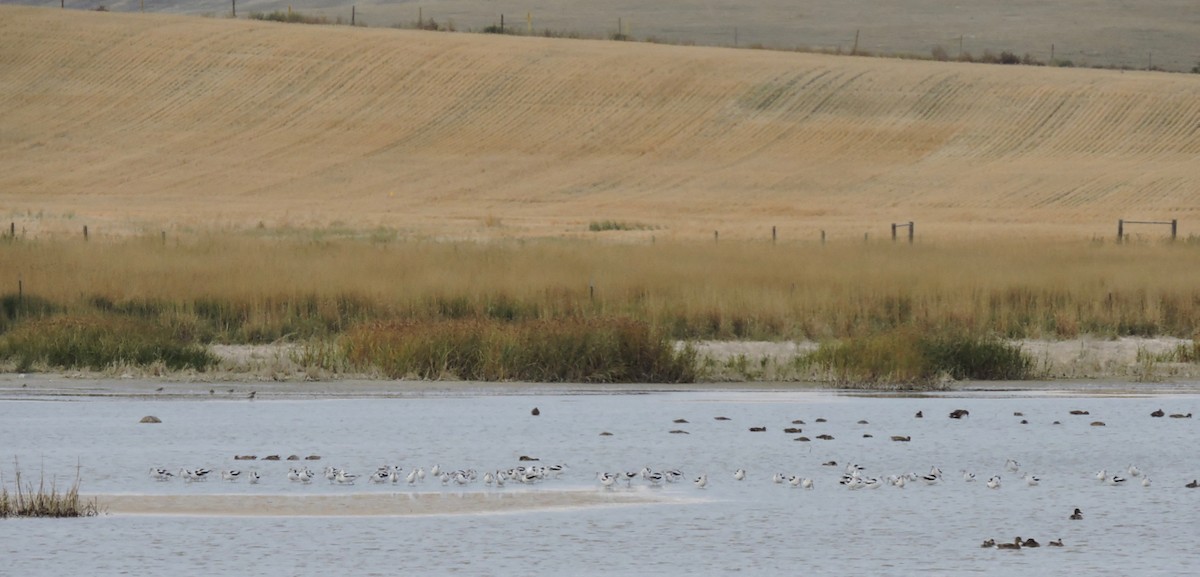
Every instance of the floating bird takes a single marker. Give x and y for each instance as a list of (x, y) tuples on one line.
[(1057, 543), (254, 477), (331, 474), (701, 481), (379, 476), (989, 543), (1016, 544), (230, 474), (994, 482), (739, 474), (1115, 480), (345, 478), (412, 477), (655, 478), (294, 474), (306, 476), (968, 477), (935, 471), (1181, 416), (1145, 481), (806, 483), (919, 415), (435, 470), (1012, 465), (607, 479), (1101, 475), (160, 474), (1157, 413), (777, 478), (1031, 480), (1192, 485), (1077, 515), (1031, 543)]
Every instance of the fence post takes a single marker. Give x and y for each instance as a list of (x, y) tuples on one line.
[(893, 232), (12, 230), (1120, 231), (910, 232), (716, 236), (1174, 228), (353, 13), (164, 237), (773, 237), (822, 237), (235, 8), (85, 234)]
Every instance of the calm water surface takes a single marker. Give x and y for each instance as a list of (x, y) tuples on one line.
[(753, 527)]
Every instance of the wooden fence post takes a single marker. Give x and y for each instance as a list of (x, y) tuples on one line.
[(910, 232), (1174, 228), (773, 236), (1120, 231), (822, 237), (85, 233), (716, 236)]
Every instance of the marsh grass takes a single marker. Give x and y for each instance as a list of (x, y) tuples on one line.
[(585, 351), (98, 342), (43, 501), (255, 288), (908, 357)]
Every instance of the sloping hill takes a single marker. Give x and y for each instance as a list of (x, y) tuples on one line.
[(136, 122)]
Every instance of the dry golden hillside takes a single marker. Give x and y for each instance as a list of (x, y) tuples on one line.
[(130, 123)]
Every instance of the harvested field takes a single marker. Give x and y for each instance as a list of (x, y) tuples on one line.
[(141, 123)]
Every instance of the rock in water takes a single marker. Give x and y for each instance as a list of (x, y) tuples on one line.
[(535, 412), (150, 419)]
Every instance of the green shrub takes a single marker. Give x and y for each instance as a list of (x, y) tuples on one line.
[(912, 357)]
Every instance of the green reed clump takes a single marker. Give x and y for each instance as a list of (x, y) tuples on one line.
[(99, 342), (909, 357), (575, 350), (45, 501)]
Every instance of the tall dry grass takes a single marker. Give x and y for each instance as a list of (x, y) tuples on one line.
[(43, 501), (244, 288)]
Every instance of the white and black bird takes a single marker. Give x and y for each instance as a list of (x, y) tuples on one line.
[(739, 474), (1012, 465), (701, 481), (1032, 480), (231, 474), (160, 474), (994, 482)]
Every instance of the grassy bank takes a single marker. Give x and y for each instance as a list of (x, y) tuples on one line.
[(43, 501), (515, 304)]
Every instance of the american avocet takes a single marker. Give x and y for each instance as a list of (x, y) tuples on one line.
[(701, 481), (1032, 480), (435, 470), (777, 478), (202, 474), (899, 481), (930, 479), (160, 474), (1116, 480), (420, 473), (331, 474), (673, 475), (294, 474), (872, 483), (345, 478), (306, 476), (655, 478), (412, 477), (1101, 475), (794, 480), (1012, 465), (1134, 471), (1146, 481), (1077, 515), (606, 479), (380, 475), (254, 477), (230, 474), (739, 474), (935, 471), (968, 477), (806, 483), (187, 474), (994, 482)]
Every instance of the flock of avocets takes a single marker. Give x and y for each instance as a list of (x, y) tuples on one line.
[(392, 474), (853, 478)]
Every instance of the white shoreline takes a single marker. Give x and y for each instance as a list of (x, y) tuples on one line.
[(398, 504)]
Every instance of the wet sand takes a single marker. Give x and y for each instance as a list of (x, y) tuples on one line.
[(383, 504)]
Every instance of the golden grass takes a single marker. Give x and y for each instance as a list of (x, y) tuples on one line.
[(140, 123), (239, 288), (44, 501)]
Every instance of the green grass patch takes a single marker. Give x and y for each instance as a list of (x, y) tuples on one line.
[(573, 350), (98, 342), (908, 357)]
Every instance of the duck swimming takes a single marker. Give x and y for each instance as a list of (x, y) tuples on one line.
[(1077, 515)]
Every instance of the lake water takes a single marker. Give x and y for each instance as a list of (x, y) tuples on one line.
[(753, 526)]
